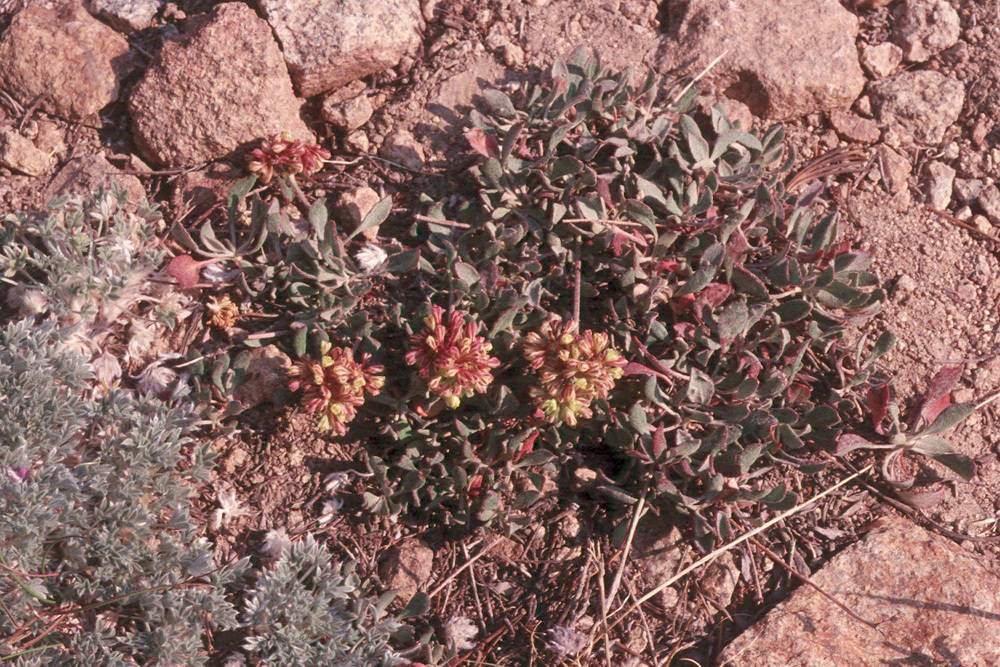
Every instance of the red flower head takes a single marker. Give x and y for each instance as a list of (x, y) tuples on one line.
[(452, 357), (283, 156), (573, 370), (335, 385)]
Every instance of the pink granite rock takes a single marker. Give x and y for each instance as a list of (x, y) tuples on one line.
[(330, 43), (223, 85), (64, 56), (933, 603)]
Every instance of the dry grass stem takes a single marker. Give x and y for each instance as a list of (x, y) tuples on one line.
[(468, 563), (640, 506), (700, 75), (708, 558), (805, 580)]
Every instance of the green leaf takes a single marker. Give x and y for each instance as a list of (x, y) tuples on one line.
[(883, 345), (301, 341), (961, 465), (417, 606), (536, 457), (733, 320), (499, 103), (792, 311), (637, 419), (318, 216), (375, 217), (949, 417), (931, 445), (466, 273), (525, 500), (700, 388)]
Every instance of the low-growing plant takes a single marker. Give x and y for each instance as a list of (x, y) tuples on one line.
[(87, 261), (100, 562), (921, 435), (307, 611), (712, 304)]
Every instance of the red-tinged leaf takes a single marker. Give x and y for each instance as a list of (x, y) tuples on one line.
[(715, 294), (878, 404), (940, 385), (666, 265), (684, 303), (618, 243), (896, 472), (659, 441), (483, 143), (848, 442), (931, 411), (922, 498), (185, 270), (633, 368), (604, 191), (526, 446), (475, 485)]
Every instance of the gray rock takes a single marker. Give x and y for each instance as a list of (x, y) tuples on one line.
[(917, 107), (852, 127), (981, 223), (895, 170), (881, 60), (924, 28), (784, 58), (357, 142), (126, 15), (352, 207), (265, 375), (989, 201), (223, 85), (66, 56), (86, 174), (19, 154), (967, 189), (407, 567), (932, 601), (659, 555), (939, 178), (403, 148), (328, 44), (347, 115)]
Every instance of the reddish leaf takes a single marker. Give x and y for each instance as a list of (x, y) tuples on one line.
[(878, 403), (940, 385), (185, 270), (526, 446), (483, 143), (617, 243), (930, 412), (715, 294), (922, 498), (633, 368), (475, 485), (659, 441), (604, 191), (848, 442)]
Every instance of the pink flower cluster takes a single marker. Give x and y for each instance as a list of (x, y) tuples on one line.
[(452, 357), (573, 370), (335, 385), (283, 156)]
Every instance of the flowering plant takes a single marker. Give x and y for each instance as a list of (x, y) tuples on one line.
[(285, 157), (452, 357), (573, 370), (335, 385)]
